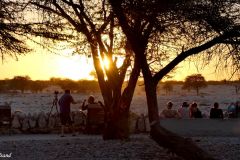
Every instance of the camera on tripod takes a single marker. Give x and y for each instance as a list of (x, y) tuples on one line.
[(55, 102), (56, 94)]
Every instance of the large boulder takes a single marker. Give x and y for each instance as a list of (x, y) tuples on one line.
[(147, 124), (57, 120), (133, 118), (17, 120), (25, 123), (32, 120), (141, 124), (80, 121), (51, 121), (42, 120), (79, 118)]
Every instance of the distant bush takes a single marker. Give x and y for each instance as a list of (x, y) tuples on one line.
[(168, 87), (19, 83)]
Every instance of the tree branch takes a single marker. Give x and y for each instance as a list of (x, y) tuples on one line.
[(182, 56)]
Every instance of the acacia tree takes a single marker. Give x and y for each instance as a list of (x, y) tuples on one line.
[(193, 25), (195, 81), (236, 85), (10, 42), (14, 32), (97, 32)]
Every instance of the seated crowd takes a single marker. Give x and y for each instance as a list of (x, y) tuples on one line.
[(192, 111)]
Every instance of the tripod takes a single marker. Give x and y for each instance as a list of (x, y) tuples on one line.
[(54, 104)]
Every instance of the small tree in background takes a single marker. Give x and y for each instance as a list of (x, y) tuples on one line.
[(236, 85), (20, 83), (3, 85), (168, 87), (195, 82), (37, 86)]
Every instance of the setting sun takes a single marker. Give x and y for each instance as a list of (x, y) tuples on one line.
[(75, 67), (105, 63), (42, 66)]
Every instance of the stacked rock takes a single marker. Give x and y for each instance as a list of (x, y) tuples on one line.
[(39, 122)]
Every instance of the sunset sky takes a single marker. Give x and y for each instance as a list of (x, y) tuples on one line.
[(41, 65)]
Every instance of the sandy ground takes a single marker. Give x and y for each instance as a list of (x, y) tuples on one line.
[(92, 147), (222, 142), (85, 147)]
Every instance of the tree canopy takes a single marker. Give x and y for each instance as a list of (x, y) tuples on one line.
[(195, 81), (11, 30), (189, 28)]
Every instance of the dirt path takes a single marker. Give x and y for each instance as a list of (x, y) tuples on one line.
[(86, 147)]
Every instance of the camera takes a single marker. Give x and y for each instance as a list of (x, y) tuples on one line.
[(56, 94)]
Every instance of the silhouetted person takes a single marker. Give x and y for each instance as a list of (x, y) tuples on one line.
[(232, 111), (169, 112), (95, 115), (64, 103), (194, 111), (238, 108), (215, 112), (184, 110), (91, 100)]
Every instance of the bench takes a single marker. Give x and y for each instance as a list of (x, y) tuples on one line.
[(95, 119)]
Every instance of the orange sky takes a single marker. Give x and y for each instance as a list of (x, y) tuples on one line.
[(42, 66)]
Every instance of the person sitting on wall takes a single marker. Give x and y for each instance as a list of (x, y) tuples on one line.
[(215, 112), (169, 112), (184, 110), (194, 112), (91, 100), (232, 111), (238, 109), (95, 115)]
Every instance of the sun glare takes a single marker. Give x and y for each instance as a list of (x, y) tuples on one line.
[(75, 67), (105, 63)]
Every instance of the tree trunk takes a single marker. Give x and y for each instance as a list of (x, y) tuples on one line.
[(117, 117), (116, 126), (183, 147), (197, 89), (151, 95), (117, 120)]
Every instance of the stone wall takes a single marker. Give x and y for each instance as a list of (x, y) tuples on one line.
[(45, 123)]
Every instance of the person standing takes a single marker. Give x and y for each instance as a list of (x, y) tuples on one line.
[(64, 103), (215, 112)]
